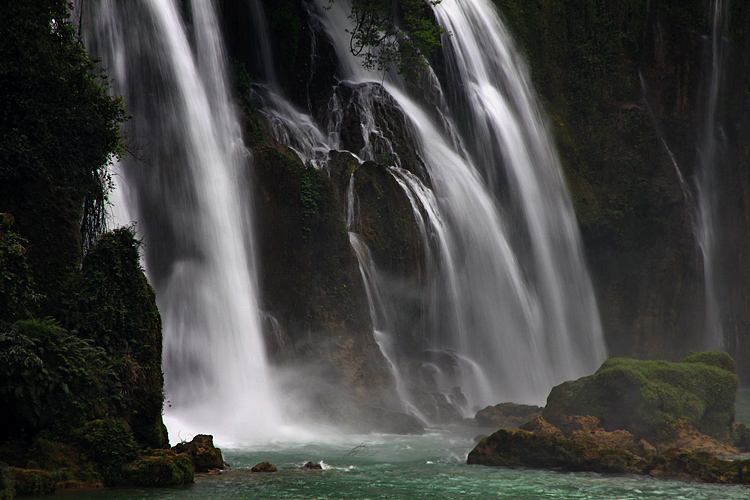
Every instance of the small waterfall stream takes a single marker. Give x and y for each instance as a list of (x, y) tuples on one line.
[(710, 152)]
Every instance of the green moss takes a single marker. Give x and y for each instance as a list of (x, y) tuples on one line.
[(650, 398), (110, 444), (160, 468)]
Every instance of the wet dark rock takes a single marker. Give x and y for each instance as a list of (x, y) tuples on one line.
[(202, 452), (311, 466), (263, 467), (517, 447)]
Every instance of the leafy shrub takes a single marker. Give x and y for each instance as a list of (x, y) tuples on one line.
[(49, 378), (16, 282), (110, 444)]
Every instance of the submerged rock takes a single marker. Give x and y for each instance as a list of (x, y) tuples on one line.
[(263, 467), (311, 466)]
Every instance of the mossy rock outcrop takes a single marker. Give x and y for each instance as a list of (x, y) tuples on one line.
[(517, 447), (650, 398), (202, 452), (159, 468)]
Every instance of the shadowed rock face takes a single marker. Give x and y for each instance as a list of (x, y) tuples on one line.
[(627, 86)]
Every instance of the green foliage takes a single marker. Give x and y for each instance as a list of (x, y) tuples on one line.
[(110, 444), (33, 482), (16, 282), (57, 116), (49, 378), (59, 129), (400, 33), (115, 308), (7, 484), (241, 78), (650, 398)]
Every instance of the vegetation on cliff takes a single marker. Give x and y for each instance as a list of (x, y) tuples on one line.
[(81, 385)]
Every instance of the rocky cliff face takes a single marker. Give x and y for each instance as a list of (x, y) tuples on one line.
[(627, 87)]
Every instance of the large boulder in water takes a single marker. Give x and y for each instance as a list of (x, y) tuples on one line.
[(202, 452), (650, 399)]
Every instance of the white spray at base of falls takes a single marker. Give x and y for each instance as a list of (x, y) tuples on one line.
[(189, 199)]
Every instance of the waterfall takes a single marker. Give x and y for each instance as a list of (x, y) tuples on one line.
[(516, 305), (186, 190), (710, 158)]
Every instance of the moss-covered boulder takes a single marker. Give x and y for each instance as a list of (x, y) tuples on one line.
[(159, 468), (650, 398), (202, 452)]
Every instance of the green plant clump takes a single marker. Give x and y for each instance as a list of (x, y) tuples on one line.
[(49, 379)]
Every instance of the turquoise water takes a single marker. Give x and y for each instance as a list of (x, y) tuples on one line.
[(398, 467)]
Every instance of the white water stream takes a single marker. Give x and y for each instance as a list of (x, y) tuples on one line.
[(191, 205)]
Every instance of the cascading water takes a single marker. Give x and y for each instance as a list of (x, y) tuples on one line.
[(513, 325), (710, 154), (190, 202)]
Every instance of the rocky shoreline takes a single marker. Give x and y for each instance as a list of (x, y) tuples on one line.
[(600, 424)]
